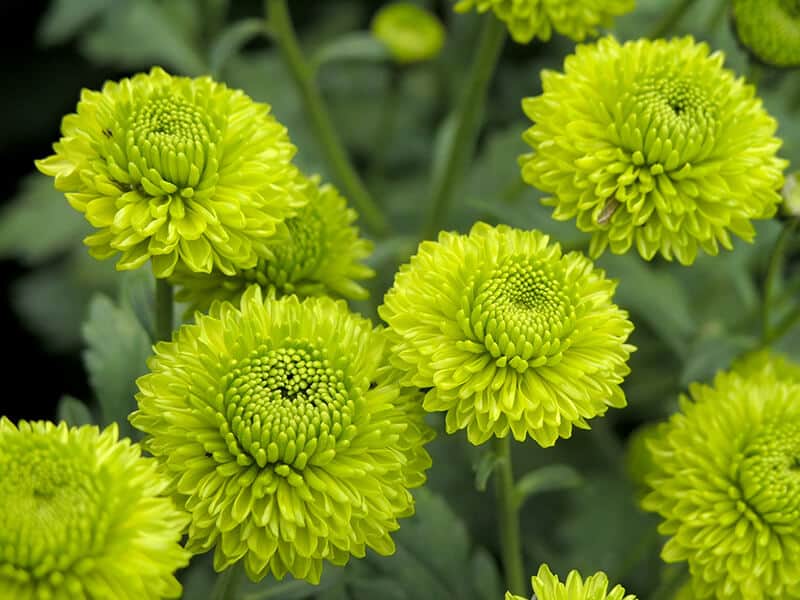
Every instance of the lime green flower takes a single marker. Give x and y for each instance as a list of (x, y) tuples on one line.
[(727, 485), (314, 253), (172, 169), (769, 29), (527, 19), (508, 333), (653, 144), (767, 362), (82, 517), (411, 33), (285, 434), (546, 586)]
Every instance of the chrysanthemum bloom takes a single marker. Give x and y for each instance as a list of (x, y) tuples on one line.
[(527, 19), (285, 434), (315, 253), (769, 29), (727, 485), (767, 362), (83, 516), (508, 333), (410, 32), (175, 169), (653, 144), (546, 586)]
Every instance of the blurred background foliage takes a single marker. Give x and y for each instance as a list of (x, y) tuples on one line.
[(84, 329)]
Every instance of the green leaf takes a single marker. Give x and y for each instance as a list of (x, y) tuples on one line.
[(65, 18), (712, 353), (549, 478), (73, 411), (232, 39), (654, 296), (486, 465), (116, 355), (140, 33), (38, 207), (358, 45)]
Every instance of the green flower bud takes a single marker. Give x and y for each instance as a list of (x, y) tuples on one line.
[(546, 586), (769, 30), (411, 33)]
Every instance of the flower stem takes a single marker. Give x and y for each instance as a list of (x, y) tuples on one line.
[(775, 261), (228, 582), (671, 19), (165, 310), (281, 23), (468, 119), (508, 517)]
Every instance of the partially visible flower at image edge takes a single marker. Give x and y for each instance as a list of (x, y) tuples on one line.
[(653, 144), (284, 433), (172, 169), (769, 30), (527, 19), (546, 586), (725, 481), (507, 334), (83, 515), (317, 252)]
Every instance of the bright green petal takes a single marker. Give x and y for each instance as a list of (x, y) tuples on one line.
[(83, 516), (510, 335), (653, 145), (546, 586), (186, 170), (527, 19), (285, 434)]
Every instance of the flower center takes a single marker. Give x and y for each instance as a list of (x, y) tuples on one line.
[(172, 141), (285, 405), (295, 255), (670, 102), (53, 508), (769, 474), (521, 313)]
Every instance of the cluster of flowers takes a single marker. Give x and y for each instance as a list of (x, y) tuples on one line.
[(287, 431)]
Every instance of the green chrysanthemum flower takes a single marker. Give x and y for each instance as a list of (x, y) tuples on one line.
[(508, 333), (285, 434), (653, 144), (410, 33), (766, 362), (726, 482), (174, 170), (546, 586), (769, 29), (527, 19), (82, 517), (314, 253)]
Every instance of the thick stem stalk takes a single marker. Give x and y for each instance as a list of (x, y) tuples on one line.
[(508, 518), (281, 24)]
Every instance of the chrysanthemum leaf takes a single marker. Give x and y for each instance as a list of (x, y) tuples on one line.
[(549, 478), (116, 354), (73, 411)]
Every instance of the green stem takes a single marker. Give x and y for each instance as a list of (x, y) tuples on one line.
[(228, 583), (782, 328), (775, 261), (165, 310), (671, 19), (281, 24), (508, 518), (468, 120)]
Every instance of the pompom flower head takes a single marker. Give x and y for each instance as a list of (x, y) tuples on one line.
[(546, 586), (508, 333), (285, 434), (173, 169), (769, 30), (527, 19), (315, 253), (727, 484), (653, 144), (82, 516), (410, 33)]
